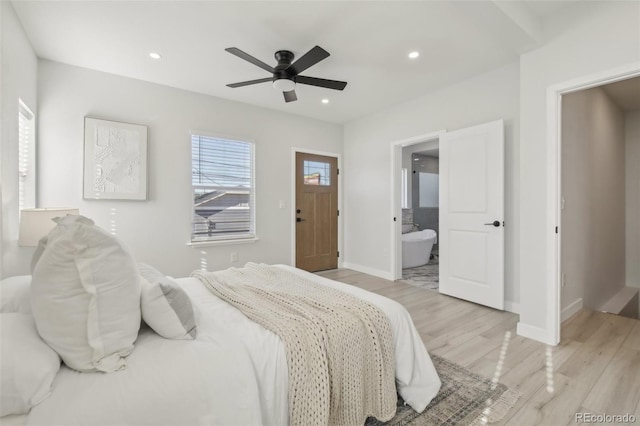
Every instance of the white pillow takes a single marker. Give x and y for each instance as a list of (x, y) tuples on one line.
[(42, 244), (14, 294), (85, 296), (166, 307), (28, 365)]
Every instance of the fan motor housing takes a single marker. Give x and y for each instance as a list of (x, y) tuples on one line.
[(284, 58)]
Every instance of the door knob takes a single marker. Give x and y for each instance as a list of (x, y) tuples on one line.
[(299, 219), (495, 223)]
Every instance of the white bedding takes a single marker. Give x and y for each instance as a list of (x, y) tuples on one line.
[(234, 373)]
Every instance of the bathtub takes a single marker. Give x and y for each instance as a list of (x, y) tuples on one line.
[(416, 248)]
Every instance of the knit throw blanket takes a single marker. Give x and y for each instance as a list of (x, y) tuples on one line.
[(339, 348)]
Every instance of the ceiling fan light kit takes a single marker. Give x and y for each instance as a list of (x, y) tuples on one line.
[(284, 84), (285, 75)]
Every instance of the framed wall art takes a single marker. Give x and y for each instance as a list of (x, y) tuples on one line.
[(115, 160)]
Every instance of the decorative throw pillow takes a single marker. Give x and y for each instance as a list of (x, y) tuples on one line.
[(85, 296), (14, 294), (166, 307), (28, 365)]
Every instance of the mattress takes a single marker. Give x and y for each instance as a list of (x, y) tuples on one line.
[(234, 373)]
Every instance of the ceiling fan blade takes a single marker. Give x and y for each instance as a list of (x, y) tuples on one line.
[(240, 54), (247, 83), (321, 82), (307, 60), (290, 96)]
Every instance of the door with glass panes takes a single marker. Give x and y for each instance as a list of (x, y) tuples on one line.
[(316, 212)]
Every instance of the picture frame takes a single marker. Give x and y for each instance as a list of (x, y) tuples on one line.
[(115, 160)]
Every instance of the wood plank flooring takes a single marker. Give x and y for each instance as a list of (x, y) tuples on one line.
[(595, 369)]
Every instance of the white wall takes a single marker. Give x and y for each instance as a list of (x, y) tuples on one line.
[(157, 230), (593, 187), (19, 69), (593, 38), (632, 156), (367, 147)]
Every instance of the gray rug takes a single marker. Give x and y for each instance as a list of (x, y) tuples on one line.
[(425, 276), (464, 399)]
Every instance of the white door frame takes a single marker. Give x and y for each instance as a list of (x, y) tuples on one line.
[(554, 183), (292, 216), (396, 208)]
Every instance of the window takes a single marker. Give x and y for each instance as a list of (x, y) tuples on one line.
[(222, 179), (26, 157), (429, 185), (404, 190), (317, 173)]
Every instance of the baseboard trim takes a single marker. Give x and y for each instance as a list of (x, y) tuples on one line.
[(570, 310), (367, 270), (535, 333), (513, 307)]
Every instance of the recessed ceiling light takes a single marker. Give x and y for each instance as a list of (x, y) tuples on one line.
[(325, 101), (414, 54), (154, 55)]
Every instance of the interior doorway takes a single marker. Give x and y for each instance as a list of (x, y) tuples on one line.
[(420, 189), (401, 186), (470, 212), (316, 212), (600, 199), (554, 239)]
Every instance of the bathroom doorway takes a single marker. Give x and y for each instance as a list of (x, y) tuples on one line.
[(416, 210), (470, 212), (420, 187)]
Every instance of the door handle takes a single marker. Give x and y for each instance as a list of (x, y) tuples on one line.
[(495, 223), (299, 219)]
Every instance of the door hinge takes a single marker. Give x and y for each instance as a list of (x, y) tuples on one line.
[(556, 229), (337, 171), (338, 255), (338, 212)]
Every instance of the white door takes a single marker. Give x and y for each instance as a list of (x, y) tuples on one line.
[(472, 213)]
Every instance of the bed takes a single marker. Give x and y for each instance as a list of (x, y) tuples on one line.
[(233, 373), (258, 345)]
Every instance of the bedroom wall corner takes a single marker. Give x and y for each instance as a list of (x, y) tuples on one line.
[(158, 229), (18, 80)]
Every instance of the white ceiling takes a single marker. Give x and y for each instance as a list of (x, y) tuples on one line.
[(368, 42)]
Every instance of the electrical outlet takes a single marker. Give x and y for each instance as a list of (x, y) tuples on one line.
[(234, 256), (281, 204)]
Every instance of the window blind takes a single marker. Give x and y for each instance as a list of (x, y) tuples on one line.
[(25, 152), (222, 179)]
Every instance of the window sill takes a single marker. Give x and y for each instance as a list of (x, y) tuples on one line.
[(223, 242)]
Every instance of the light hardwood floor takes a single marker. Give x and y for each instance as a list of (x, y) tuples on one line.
[(595, 369)]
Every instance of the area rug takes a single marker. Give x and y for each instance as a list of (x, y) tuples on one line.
[(465, 398), (425, 276)]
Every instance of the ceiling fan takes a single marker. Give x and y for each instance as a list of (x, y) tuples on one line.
[(287, 74)]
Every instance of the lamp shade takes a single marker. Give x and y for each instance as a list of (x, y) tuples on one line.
[(36, 223)]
